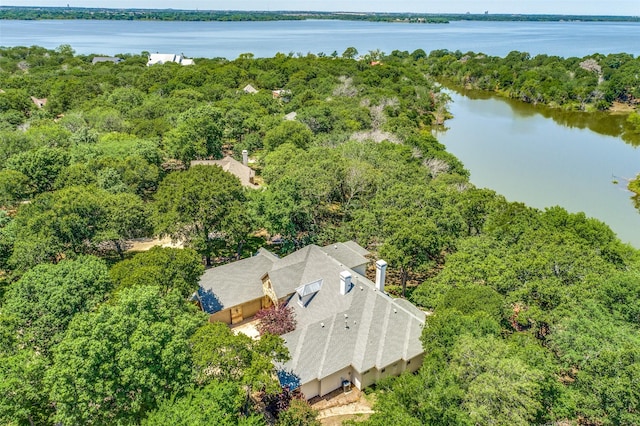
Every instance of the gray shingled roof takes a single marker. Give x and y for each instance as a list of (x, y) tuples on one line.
[(234, 283), (350, 253), (113, 59), (364, 328), (377, 331), (233, 166)]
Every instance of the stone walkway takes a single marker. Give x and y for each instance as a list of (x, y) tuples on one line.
[(338, 406), (248, 327)]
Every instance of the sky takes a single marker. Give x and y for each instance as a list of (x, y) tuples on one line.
[(565, 7)]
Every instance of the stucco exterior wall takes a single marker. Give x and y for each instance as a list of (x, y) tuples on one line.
[(310, 389), (359, 380), (414, 364), (222, 316), (334, 381), (240, 312), (364, 379), (249, 309)]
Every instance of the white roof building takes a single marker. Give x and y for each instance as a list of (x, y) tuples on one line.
[(163, 58)]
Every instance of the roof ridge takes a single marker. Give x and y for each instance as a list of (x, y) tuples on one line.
[(407, 338), (299, 344), (383, 338), (404, 308), (326, 346), (364, 329)]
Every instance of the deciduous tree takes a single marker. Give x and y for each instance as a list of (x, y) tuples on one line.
[(218, 403), (218, 354), (170, 269), (197, 135), (40, 305), (194, 206), (278, 320), (117, 363)]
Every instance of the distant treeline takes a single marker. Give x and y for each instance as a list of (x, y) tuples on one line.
[(35, 13)]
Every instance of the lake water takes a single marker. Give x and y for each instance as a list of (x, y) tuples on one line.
[(532, 155), (265, 39), (515, 150)]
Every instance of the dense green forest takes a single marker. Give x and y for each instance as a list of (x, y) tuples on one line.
[(21, 12), (592, 82), (535, 314)]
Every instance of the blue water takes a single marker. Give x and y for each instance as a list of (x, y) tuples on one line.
[(265, 39)]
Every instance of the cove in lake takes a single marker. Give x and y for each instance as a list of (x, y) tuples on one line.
[(602, 122), (517, 151)]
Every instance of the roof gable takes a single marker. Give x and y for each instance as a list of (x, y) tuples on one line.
[(374, 331), (350, 254), (234, 283), (229, 164)]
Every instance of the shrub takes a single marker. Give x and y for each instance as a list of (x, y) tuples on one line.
[(276, 320)]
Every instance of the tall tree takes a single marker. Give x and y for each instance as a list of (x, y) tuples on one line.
[(197, 135), (218, 403), (170, 269), (75, 220), (117, 363), (23, 395), (412, 243), (219, 354), (292, 132), (194, 206), (42, 166), (40, 305)]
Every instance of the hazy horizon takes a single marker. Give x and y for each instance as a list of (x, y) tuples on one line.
[(522, 7)]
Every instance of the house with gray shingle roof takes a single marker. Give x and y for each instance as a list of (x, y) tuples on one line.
[(229, 164), (99, 59), (348, 329)]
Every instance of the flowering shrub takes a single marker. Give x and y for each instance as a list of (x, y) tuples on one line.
[(276, 320)]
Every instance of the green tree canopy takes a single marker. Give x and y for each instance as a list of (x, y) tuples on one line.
[(194, 205), (41, 304), (117, 363), (292, 132), (75, 220), (42, 167), (197, 135), (218, 403), (24, 398), (170, 269), (219, 354)]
